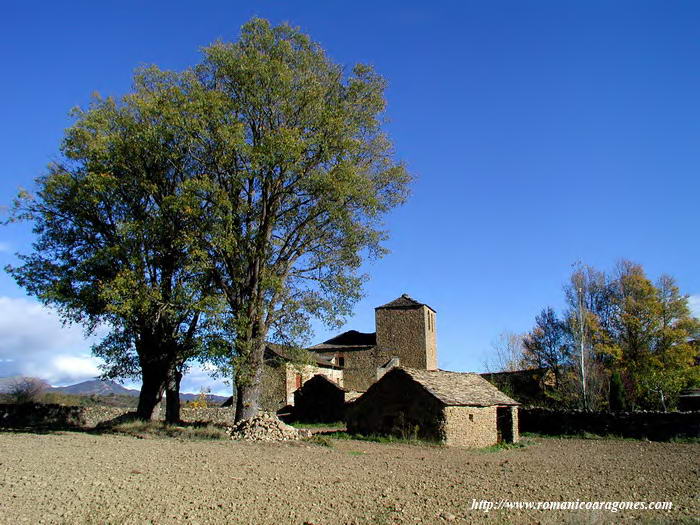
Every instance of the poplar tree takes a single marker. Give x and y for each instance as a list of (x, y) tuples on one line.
[(113, 241), (297, 175)]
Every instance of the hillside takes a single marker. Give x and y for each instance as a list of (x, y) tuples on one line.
[(97, 387)]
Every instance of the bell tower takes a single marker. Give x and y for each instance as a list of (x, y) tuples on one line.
[(406, 327)]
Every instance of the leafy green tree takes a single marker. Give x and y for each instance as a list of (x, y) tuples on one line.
[(114, 240), (547, 345), (296, 175), (617, 400), (623, 339)]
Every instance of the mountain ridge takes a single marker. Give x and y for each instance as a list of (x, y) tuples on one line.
[(98, 387)]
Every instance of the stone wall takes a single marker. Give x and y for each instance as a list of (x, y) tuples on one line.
[(41, 415), (397, 407), (409, 333), (59, 416), (292, 372), (515, 413), (470, 426), (273, 394), (657, 426), (360, 367)]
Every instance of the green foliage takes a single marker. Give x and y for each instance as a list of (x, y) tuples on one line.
[(298, 175), (380, 438), (114, 242), (318, 439), (546, 345), (215, 207), (318, 425), (639, 340), (617, 393)]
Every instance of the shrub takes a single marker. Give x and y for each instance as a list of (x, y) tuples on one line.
[(27, 390)]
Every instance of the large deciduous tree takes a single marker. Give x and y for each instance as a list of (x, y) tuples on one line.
[(296, 176), (623, 338), (113, 238)]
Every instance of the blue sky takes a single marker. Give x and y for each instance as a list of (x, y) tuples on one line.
[(541, 133)]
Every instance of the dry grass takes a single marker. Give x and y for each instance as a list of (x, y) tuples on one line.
[(157, 429)]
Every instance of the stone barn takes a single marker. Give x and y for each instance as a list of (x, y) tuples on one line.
[(454, 408), (319, 400)]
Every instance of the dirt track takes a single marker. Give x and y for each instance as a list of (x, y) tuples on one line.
[(82, 478)]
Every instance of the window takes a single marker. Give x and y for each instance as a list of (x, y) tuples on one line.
[(341, 362), (471, 417)]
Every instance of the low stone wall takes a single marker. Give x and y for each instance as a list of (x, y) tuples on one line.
[(40, 415), (60, 416), (211, 415), (656, 426)]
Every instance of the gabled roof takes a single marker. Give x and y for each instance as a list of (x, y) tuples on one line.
[(273, 350), (403, 302), (456, 388), (320, 378), (350, 340)]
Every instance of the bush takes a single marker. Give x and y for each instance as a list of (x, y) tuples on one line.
[(27, 390)]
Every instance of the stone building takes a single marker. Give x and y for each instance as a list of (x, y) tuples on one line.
[(284, 373), (405, 334), (459, 409), (319, 400)]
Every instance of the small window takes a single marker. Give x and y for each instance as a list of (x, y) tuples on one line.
[(341, 362), (471, 417)]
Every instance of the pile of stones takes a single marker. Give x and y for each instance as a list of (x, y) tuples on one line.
[(265, 427)]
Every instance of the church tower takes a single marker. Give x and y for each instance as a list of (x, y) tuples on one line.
[(406, 328)]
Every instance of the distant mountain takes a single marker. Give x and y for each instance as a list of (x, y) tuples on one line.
[(96, 387), (99, 387), (211, 398)]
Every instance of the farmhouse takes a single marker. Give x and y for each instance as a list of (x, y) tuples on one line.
[(405, 334), (319, 400), (395, 369), (453, 408)]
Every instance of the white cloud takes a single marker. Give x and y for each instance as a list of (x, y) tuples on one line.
[(34, 342), (200, 377), (694, 303), (5, 247)]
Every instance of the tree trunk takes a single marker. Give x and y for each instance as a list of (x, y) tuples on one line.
[(151, 394), (172, 395), (249, 390), (247, 401)]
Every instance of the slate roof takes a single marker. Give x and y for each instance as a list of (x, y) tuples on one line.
[(350, 340), (274, 350), (403, 302), (457, 388)]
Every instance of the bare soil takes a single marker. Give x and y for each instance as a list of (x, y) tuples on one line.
[(73, 477)]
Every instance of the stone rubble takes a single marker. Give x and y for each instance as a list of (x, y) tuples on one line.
[(265, 427)]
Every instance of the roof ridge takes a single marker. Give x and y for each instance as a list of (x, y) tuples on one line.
[(458, 388)]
